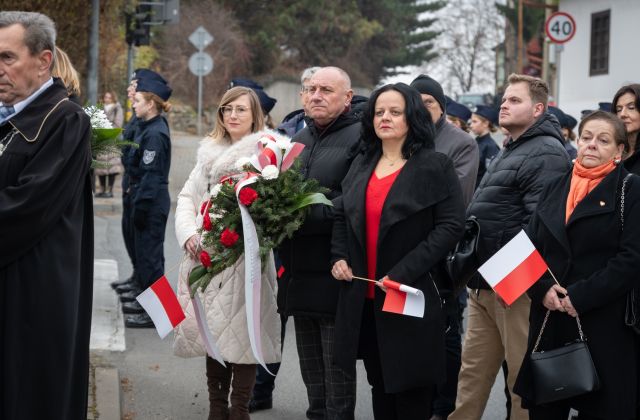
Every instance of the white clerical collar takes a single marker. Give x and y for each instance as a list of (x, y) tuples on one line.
[(23, 104)]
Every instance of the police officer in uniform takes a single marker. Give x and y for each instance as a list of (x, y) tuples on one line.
[(148, 189), (128, 288), (484, 121)]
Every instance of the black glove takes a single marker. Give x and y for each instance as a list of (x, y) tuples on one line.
[(140, 219)]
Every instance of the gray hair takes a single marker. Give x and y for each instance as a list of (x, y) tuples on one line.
[(307, 73), (40, 31)]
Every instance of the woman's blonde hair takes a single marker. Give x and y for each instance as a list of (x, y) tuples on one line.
[(219, 132), (161, 105), (63, 69)]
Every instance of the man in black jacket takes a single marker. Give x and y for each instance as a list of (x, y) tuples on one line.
[(503, 203), (331, 140)]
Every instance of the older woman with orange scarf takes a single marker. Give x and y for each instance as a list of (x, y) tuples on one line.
[(578, 229)]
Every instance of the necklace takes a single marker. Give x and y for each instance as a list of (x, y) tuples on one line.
[(4, 143), (392, 162)]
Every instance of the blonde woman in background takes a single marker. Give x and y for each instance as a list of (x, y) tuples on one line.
[(63, 68), (109, 164)]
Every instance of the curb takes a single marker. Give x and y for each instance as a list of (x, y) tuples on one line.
[(107, 394)]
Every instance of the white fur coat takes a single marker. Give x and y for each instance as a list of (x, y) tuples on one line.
[(224, 298)]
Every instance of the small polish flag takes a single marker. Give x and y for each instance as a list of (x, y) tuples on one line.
[(514, 268), (403, 299), (162, 305)]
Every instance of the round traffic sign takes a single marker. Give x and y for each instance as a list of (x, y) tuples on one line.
[(200, 63), (560, 27)]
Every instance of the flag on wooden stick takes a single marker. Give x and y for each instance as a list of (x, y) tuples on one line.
[(514, 268), (402, 299)]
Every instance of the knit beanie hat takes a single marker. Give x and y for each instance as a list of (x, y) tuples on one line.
[(428, 86)]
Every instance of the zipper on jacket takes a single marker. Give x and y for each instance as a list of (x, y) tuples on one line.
[(437, 291)]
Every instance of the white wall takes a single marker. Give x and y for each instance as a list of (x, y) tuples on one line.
[(580, 91)]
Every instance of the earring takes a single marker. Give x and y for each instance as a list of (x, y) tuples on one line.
[(617, 161)]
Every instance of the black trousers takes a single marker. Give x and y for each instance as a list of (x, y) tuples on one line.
[(445, 396), (149, 246), (128, 233), (265, 382), (413, 404)]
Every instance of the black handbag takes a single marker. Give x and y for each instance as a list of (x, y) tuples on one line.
[(564, 372), (631, 315), (462, 263)]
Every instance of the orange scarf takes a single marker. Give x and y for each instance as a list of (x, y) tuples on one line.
[(583, 181)]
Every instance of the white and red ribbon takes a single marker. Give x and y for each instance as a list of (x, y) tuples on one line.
[(253, 276)]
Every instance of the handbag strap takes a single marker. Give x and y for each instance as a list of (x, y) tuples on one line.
[(546, 317), (622, 194), (544, 324)]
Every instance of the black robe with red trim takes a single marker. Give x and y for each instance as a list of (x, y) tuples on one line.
[(46, 260)]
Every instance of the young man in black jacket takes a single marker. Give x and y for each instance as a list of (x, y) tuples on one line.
[(503, 204)]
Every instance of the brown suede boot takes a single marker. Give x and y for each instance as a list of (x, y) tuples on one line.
[(244, 378), (218, 382)]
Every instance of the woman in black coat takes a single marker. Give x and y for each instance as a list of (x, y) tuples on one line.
[(578, 230), (401, 211)]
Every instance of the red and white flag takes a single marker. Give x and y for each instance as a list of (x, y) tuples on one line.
[(402, 299), (162, 305), (514, 268)]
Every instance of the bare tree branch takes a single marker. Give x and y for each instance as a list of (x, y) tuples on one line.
[(471, 29)]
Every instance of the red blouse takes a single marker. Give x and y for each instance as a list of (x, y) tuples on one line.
[(377, 191)]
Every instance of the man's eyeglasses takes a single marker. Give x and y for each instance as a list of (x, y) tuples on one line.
[(240, 111)]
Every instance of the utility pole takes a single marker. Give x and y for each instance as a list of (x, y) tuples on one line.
[(94, 39), (520, 35)]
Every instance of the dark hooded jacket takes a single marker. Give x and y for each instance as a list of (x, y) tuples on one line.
[(508, 193)]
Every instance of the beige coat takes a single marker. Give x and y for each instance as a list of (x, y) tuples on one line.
[(223, 300)]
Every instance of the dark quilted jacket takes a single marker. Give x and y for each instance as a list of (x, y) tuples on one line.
[(327, 156), (509, 191)]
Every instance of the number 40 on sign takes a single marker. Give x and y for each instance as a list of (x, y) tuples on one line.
[(560, 27)]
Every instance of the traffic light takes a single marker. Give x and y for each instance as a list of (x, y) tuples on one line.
[(139, 26)]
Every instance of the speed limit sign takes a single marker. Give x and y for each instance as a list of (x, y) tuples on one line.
[(560, 27)]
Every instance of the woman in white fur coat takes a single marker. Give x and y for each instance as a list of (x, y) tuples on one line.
[(238, 124)]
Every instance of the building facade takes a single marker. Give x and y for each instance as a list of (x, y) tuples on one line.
[(602, 56)]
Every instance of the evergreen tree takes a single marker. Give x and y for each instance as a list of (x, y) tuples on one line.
[(368, 38), (407, 39)]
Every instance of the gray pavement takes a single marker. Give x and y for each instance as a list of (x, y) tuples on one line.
[(155, 384)]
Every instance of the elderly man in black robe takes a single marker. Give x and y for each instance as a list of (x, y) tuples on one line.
[(46, 230)]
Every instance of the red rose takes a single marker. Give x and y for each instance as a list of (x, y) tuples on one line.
[(229, 237), (247, 196), (206, 222), (205, 259)]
